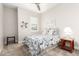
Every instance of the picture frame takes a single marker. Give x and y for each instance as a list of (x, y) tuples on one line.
[(34, 27)]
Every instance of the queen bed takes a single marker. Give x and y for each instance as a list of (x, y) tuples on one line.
[(39, 42)]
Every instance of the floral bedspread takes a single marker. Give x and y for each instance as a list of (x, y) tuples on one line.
[(37, 43)]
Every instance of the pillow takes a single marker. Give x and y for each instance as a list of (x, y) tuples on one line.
[(45, 32), (50, 31)]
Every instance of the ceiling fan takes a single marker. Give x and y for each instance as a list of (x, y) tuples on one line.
[(38, 6)]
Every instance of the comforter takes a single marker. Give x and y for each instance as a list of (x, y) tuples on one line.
[(37, 43)]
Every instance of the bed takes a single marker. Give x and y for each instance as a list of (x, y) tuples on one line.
[(39, 42)]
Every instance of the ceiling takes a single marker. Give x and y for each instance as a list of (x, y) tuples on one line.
[(31, 6)]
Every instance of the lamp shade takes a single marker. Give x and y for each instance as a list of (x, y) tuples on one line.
[(68, 33)]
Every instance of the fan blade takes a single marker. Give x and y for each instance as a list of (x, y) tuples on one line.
[(37, 4)]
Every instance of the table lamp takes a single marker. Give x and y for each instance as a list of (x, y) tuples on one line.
[(68, 33)]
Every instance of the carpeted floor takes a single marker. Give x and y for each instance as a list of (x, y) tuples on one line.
[(21, 50), (15, 50)]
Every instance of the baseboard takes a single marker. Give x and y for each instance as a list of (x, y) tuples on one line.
[(20, 42), (76, 48)]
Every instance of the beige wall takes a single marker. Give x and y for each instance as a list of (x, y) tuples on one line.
[(25, 15), (10, 24), (66, 15), (1, 27)]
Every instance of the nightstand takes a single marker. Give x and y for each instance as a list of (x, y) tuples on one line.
[(67, 44)]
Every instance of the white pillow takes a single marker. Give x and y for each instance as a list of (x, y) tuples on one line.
[(50, 31), (45, 32)]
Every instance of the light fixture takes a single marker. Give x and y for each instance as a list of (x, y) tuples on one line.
[(38, 6)]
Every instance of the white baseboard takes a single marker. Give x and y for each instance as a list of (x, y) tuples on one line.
[(77, 48)]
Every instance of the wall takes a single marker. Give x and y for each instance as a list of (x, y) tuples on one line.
[(25, 15), (66, 15), (1, 27), (10, 24)]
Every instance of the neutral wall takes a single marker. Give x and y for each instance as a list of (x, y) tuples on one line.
[(10, 24), (1, 27), (25, 15), (66, 15)]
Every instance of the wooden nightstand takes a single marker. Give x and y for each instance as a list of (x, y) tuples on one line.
[(64, 43)]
